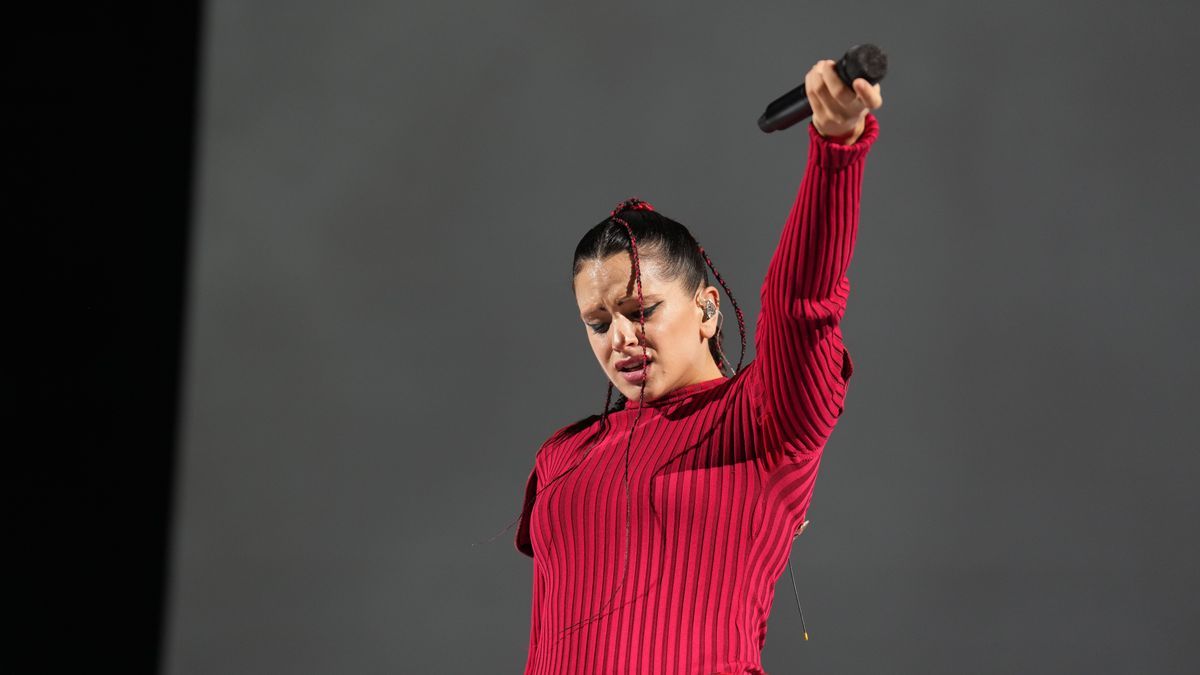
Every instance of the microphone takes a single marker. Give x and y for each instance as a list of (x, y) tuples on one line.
[(866, 61)]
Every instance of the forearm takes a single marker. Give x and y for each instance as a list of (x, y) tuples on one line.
[(799, 353), (818, 238)]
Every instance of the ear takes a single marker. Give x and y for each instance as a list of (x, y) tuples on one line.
[(708, 328)]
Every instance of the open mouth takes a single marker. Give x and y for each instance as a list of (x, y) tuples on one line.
[(633, 370), (633, 365)]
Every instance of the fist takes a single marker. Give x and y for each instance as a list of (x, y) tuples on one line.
[(839, 112)]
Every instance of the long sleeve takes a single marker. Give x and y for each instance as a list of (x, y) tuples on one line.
[(802, 366), (679, 576), (522, 541), (525, 546), (535, 612)]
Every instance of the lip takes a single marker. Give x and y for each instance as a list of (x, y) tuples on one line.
[(632, 360), (634, 376)]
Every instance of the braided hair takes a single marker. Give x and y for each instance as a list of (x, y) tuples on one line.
[(644, 229), (634, 226)]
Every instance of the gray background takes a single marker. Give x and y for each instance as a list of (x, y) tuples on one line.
[(381, 331)]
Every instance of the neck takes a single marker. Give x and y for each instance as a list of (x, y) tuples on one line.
[(710, 371)]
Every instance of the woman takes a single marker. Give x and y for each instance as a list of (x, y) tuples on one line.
[(659, 528)]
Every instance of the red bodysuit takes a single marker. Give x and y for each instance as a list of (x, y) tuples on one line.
[(721, 474)]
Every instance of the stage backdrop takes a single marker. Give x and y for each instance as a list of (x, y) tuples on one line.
[(381, 331)]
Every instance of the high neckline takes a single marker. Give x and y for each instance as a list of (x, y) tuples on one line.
[(678, 393)]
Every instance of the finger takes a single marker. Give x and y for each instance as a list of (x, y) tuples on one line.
[(814, 91), (868, 93), (812, 80), (841, 97), (812, 83), (874, 98)]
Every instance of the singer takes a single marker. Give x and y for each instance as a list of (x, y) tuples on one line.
[(659, 527)]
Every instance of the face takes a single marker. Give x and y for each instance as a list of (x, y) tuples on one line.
[(675, 338)]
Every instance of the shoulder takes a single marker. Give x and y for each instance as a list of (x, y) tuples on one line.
[(566, 438), (571, 431)]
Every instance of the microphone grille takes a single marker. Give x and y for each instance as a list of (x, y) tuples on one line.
[(867, 61)]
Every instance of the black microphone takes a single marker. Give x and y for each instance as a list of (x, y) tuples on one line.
[(866, 61)]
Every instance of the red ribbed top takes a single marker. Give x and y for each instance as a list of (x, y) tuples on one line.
[(721, 474)]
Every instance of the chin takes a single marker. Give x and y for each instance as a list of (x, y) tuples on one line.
[(633, 392)]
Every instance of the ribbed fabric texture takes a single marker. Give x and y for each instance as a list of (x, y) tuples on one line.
[(721, 474)]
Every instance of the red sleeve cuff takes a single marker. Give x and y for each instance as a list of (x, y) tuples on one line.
[(835, 156)]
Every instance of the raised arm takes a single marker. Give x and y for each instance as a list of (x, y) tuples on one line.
[(802, 366)]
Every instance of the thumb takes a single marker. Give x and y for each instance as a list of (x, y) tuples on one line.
[(867, 93), (862, 89)]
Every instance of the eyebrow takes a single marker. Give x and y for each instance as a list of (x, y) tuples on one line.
[(646, 297)]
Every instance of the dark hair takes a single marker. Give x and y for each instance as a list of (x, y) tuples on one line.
[(669, 244), (635, 226)]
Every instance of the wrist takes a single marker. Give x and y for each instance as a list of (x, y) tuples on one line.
[(847, 138)]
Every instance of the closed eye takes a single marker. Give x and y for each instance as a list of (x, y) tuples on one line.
[(603, 327)]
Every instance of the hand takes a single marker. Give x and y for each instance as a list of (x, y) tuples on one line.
[(839, 112)]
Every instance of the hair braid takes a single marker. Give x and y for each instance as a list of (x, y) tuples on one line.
[(738, 310), (637, 204), (629, 204)]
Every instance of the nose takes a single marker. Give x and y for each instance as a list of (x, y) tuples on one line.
[(624, 333)]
